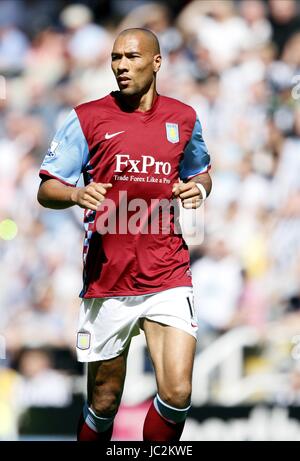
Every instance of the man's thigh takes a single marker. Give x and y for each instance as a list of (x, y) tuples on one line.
[(172, 352)]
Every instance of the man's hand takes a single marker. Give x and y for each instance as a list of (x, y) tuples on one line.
[(189, 194), (90, 196)]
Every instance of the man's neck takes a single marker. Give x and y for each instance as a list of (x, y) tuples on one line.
[(140, 102)]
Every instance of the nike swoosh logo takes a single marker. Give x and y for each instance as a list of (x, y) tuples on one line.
[(108, 136)]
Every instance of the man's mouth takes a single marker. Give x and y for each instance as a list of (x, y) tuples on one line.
[(123, 80)]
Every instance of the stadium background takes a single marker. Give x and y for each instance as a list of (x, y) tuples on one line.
[(238, 64)]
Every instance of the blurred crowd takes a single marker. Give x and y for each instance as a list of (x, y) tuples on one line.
[(238, 64)]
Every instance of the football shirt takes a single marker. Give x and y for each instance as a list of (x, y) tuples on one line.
[(129, 247)]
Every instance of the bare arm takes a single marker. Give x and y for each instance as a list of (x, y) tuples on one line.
[(53, 194), (189, 193), (203, 179)]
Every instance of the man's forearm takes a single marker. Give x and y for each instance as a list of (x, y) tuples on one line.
[(205, 180), (53, 194)]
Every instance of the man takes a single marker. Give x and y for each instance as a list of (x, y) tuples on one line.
[(132, 144)]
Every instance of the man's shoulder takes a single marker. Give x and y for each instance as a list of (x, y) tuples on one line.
[(178, 106), (87, 108)]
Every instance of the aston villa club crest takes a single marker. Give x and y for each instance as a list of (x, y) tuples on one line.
[(83, 340), (172, 132)]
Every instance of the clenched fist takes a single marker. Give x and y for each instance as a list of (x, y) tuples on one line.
[(90, 196), (188, 193)]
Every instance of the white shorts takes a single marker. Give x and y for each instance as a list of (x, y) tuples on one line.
[(106, 325)]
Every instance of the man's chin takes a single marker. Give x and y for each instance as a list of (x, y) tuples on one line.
[(127, 91)]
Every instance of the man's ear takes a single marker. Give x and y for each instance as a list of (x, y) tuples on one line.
[(156, 62)]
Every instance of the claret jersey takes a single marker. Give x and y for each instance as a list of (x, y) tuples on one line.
[(142, 154)]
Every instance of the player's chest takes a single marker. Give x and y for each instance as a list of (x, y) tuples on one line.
[(131, 139)]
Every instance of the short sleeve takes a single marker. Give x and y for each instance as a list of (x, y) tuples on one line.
[(196, 159), (68, 153)]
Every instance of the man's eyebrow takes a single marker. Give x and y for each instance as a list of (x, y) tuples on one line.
[(116, 53)]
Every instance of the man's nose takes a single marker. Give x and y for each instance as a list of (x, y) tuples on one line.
[(123, 64)]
